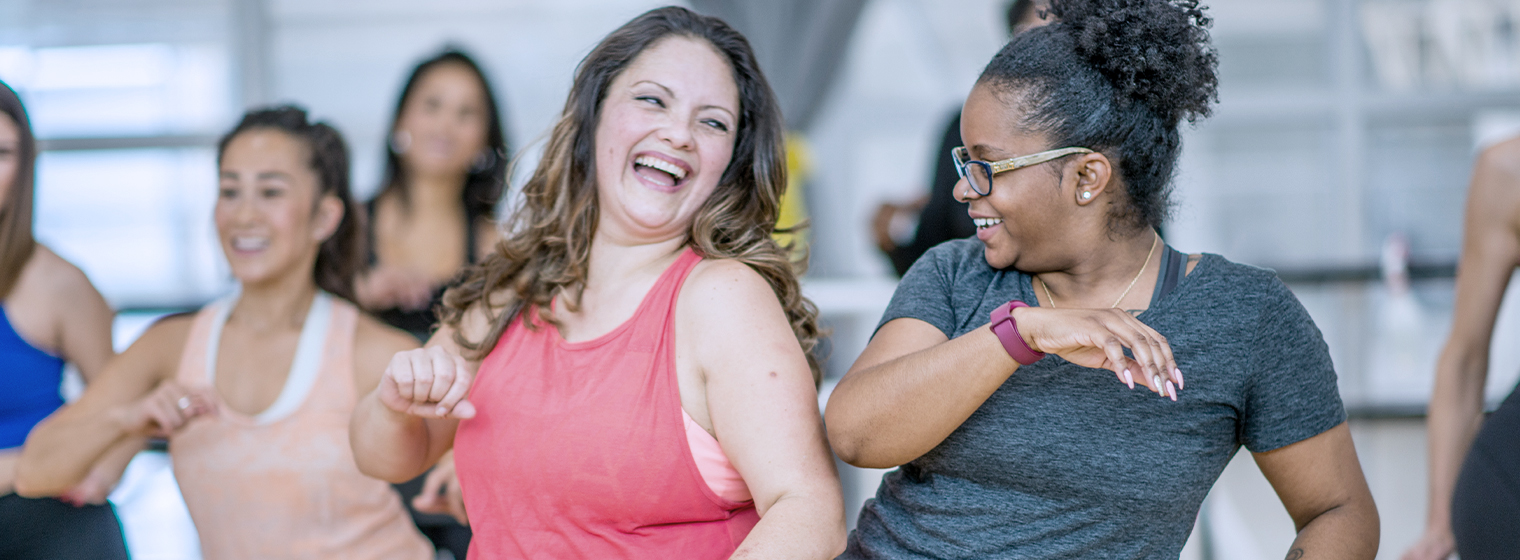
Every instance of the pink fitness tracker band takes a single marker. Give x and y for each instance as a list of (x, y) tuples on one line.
[(1007, 331)]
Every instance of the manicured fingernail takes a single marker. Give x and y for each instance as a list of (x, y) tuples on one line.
[(1129, 379), (1180, 382), (1156, 382), (443, 410), (1171, 390)]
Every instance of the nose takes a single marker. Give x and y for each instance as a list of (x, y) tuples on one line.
[(963, 191), (678, 133)]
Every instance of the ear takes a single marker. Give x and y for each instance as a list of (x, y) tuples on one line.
[(1090, 176), (328, 215)]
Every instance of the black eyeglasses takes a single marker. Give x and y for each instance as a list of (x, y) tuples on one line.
[(979, 173)]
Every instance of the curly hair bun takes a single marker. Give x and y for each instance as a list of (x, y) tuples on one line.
[(1155, 52)]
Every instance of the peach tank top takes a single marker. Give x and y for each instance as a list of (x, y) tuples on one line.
[(283, 483)]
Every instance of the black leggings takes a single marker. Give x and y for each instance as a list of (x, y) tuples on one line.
[(47, 529), (1485, 508)]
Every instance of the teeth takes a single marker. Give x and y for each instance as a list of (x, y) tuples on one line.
[(982, 223), (662, 165), (249, 243)]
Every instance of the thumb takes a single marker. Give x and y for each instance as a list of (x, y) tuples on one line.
[(465, 409)]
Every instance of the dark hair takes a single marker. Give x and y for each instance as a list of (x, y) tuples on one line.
[(340, 256), (486, 180), (547, 248), (1119, 77), (1017, 9), (16, 241)]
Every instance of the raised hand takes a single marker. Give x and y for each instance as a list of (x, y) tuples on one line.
[(1097, 338), (428, 382)]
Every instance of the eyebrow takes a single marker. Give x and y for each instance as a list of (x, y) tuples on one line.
[(261, 176), (989, 152), (673, 94)]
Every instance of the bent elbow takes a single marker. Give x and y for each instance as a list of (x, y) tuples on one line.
[(29, 484)]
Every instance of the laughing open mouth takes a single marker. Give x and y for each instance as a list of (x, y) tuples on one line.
[(659, 171)]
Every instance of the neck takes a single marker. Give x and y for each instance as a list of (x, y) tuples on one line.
[(616, 259), (1104, 271), (278, 303), (432, 193)]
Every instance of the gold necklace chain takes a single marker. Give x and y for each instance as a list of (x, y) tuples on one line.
[(1154, 241)]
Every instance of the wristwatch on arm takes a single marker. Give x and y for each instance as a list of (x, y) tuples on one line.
[(1007, 331)]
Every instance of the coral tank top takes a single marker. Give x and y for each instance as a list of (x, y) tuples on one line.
[(580, 449), (283, 483)]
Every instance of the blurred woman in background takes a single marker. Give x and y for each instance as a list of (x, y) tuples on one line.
[(643, 347), (445, 167), (254, 391), (49, 314), (1072, 135), (1474, 499)]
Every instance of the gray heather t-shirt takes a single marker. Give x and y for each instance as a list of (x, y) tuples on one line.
[(1064, 461)]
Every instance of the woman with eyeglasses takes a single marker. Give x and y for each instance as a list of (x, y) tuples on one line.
[(254, 391), (50, 313), (990, 383)]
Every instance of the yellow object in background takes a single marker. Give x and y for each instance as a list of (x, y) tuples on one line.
[(793, 203)]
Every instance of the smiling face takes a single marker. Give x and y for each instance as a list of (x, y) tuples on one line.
[(668, 126), (446, 118), (268, 216), (1027, 214), (10, 156)]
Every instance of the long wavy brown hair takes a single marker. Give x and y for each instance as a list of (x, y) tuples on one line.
[(547, 245)]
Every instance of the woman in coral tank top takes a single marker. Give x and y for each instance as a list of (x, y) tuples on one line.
[(628, 374), (255, 391)]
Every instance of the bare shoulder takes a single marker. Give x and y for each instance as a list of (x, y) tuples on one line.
[(727, 276), (1496, 176), (60, 279), (375, 343), (372, 337)]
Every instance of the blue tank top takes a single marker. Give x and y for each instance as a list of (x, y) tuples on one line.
[(31, 379)]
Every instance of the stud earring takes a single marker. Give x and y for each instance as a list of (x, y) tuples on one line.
[(1086, 195)]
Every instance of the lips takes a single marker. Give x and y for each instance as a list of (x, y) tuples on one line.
[(245, 244), (661, 171), (986, 227)]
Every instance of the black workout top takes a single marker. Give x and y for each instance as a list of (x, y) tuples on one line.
[(420, 322)]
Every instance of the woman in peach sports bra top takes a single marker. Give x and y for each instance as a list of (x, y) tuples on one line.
[(255, 391), (630, 374)]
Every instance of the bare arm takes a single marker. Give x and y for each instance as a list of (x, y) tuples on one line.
[(84, 328), (1320, 482), (1490, 253), (912, 386), (133, 397), (763, 409), (407, 422)]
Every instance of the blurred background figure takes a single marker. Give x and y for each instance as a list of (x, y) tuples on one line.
[(49, 314), (1474, 503), (938, 217), (445, 166), (254, 391)]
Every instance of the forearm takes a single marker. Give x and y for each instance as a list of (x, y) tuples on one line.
[(893, 412), (61, 450), (1456, 412), (1346, 532), (8, 460), (797, 526), (389, 445)]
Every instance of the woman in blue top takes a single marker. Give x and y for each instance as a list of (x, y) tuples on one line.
[(1007, 453), (49, 314)]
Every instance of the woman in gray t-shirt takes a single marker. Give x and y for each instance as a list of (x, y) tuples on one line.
[(1003, 454)]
